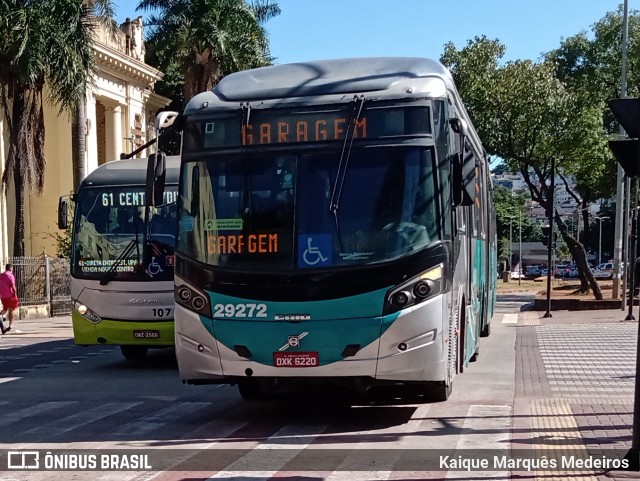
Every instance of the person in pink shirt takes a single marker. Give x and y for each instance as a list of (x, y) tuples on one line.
[(8, 296)]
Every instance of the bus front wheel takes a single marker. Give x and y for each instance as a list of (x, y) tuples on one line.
[(134, 352), (439, 390), (251, 390), (433, 391)]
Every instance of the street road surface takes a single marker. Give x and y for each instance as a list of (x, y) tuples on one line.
[(56, 396)]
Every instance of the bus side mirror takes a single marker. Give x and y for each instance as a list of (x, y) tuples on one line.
[(463, 180), (156, 175), (456, 179), (469, 181), (63, 213), (459, 126), (165, 119)]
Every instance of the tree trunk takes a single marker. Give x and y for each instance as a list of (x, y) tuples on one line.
[(18, 236), (201, 74), (544, 198), (17, 151), (587, 281), (78, 144)]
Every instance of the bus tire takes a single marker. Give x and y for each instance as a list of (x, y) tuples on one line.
[(251, 390), (475, 355), (486, 330), (133, 353), (438, 391)]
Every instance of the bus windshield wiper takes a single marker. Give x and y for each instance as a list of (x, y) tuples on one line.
[(133, 243), (246, 117), (336, 192)]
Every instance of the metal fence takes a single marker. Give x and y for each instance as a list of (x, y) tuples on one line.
[(43, 281)]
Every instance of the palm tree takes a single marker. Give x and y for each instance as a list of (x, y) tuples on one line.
[(48, 43), (197, 42)]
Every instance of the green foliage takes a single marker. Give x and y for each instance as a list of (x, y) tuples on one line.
[(512, 218), (46, 42), (590, 65), (563, 253), (62, 238), (197, 42), (527, 116), (63, 242), (533, 119)]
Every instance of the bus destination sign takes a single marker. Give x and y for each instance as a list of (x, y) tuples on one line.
[(310, 128), (274, 127)]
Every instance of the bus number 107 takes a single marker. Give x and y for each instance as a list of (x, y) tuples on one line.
[(162, 312)]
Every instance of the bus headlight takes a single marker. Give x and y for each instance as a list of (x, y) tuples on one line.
[(193, 299), (421, 289), (415, 290), (184, 294), (401, 298), (87, 313)]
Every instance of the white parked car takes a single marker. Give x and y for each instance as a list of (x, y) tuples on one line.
[(516, 275), (604, 271)]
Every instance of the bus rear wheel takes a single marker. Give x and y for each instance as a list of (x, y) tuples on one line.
[(133, 353), (486, 330)]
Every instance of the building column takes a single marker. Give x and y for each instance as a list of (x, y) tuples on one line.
[(91, 145), (113, 130)]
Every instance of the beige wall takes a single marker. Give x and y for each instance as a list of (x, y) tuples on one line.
[(41, 216)]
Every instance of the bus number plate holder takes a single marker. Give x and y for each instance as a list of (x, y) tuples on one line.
[(146, 334), (295, 359)]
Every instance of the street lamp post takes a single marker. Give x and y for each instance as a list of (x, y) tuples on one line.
[(600, 218), (520, 246), (510, 243), (551, 200)]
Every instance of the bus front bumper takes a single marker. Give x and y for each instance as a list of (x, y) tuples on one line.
[(155, 333), (418, 332)]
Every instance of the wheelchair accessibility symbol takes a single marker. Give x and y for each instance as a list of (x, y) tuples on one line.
[(312, 254), (154, 268), (314, 250)]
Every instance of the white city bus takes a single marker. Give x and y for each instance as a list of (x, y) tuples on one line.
[(122, 261), (336, 223)]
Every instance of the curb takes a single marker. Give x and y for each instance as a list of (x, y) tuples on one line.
[(540, 304)]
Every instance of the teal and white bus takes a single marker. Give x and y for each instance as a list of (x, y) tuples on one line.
[(122, 261), (335, 224)]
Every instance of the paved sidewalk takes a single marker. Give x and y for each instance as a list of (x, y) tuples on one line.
[(53, 327), (575, 377)]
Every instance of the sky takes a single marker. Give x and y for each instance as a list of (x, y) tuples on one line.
[(320, 29)]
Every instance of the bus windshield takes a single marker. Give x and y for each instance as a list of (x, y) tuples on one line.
[(110, 235), (271, 211)]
